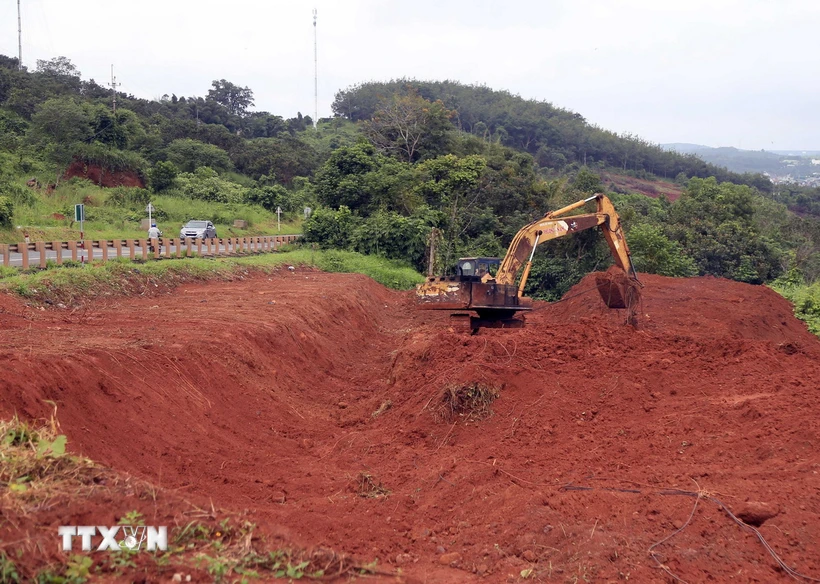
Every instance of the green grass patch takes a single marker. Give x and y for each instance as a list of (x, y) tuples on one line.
[(8, 570), (78, 282), (34, 463), (391, 273), (75, 283), (804, 297)]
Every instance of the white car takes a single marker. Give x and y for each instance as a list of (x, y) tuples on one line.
[(198, 229)]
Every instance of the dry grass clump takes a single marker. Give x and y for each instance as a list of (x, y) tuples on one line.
[(368, 487), (386, 405), (34, 467), (468, 401)]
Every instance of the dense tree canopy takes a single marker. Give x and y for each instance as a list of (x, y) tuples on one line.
[(554, 136), (188, 155)]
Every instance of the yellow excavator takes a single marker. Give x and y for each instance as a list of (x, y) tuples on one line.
[(487, 287)]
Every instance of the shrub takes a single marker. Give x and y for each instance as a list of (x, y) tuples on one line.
[(207, 185), (272, 196), (330, 228), (655, 253), (162, 176), (127, 196), (110, 158), (188, 155), (6, 211), (393, 236), (804, 297)]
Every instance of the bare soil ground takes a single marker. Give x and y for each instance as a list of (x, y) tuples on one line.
[(650, 188), (316, 404), (104, 178)]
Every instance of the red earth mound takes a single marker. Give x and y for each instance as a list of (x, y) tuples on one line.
[(314, 401), (103, 177)]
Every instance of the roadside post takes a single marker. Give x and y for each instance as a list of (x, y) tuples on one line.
[(79, 215), (279, 218)]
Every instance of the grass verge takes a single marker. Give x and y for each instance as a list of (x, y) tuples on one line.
[(391, 273), (806, 301), (74, 283)]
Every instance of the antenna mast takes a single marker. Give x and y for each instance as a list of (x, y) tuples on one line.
[(315, 74), (20, 39), (114, 86)]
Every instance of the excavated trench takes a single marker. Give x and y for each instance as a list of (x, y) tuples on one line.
[(317, 401)]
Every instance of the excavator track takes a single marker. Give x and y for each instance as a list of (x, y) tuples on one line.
[(464, 322)]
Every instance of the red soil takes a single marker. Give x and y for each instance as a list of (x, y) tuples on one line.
[(103, 177), (262, 395), (650, 188)]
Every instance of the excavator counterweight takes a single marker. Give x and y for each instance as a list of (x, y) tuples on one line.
[(487, 286)]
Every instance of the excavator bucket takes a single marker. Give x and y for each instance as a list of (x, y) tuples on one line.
[(618, 290), (613, 294)]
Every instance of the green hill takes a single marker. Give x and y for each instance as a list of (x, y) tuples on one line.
[(555, 137), (397, 160)]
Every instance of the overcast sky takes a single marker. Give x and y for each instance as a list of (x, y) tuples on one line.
[(740, 73)]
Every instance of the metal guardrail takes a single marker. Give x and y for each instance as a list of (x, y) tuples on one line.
[(166, 247)]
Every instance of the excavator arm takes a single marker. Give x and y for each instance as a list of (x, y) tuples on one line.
[(552, 225)]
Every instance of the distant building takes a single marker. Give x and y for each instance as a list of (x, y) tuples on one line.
[(815, 161)]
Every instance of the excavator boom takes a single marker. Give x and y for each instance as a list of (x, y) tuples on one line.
[(553, 225), (498, 298)]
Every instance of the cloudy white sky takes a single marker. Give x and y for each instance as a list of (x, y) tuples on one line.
[(740, 73)]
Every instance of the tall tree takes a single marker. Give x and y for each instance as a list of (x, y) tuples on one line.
[(62, 120), (58, 67), (57, 75), (450, 184), (284, 158), (408, 126), (235, 99), (363, 180)]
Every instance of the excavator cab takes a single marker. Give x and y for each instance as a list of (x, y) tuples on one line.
[(478, 266)]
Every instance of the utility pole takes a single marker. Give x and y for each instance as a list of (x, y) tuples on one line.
[(315, 74), (114, 86), (19, 39)]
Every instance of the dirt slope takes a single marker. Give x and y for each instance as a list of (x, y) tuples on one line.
[(103, 177), (310, 399), (651, 188)]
